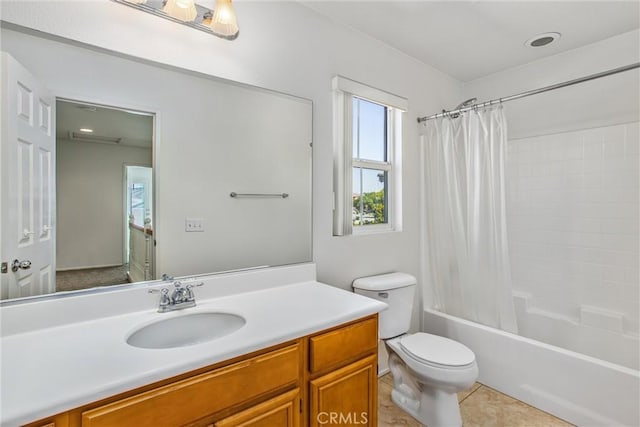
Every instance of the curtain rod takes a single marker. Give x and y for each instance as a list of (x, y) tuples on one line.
[(533, 92)]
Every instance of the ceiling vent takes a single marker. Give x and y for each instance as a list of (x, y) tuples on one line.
[(81, 136), (542, 39)]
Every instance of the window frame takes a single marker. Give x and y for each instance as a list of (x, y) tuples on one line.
[(344, 90)]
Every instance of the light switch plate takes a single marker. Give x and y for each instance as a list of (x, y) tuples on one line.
[(193, 224)]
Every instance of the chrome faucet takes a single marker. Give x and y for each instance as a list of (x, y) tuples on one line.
[(181, 297)]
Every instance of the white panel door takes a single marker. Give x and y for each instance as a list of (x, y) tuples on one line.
[(27, 173)]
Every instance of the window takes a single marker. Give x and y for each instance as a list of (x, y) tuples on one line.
[(136, 203), (370, 163), (367, 144)]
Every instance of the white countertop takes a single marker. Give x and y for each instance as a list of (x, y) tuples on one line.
[(51, 370)]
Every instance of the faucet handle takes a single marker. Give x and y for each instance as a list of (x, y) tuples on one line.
[(197, 285), (189, 288), (164, 298)]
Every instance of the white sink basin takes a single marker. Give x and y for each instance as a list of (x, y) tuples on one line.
[(185, 330)]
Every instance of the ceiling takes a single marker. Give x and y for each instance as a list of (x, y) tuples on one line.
[(472, 39), (129, 127)]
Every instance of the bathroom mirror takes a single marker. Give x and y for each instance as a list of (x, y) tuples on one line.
[(211, 138)]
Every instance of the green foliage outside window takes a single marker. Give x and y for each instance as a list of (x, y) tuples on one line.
[(372, 206)]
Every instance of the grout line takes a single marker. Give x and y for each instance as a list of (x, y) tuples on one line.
[(472, 391)]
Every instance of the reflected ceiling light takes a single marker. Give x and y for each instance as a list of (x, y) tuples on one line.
[(86, 130), (221, 21)]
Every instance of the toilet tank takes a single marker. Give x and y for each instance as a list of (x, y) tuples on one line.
[(395, 289)]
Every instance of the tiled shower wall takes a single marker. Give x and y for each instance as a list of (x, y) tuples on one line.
[(572, 210)]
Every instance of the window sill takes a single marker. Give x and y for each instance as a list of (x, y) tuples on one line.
[(373, 229)]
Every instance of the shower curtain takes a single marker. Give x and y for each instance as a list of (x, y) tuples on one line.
[(466, 230)]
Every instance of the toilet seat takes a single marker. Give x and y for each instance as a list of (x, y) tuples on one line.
[(437, 351)]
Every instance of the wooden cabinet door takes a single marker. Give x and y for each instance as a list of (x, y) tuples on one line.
[(347, 396), (281, 411), (61, 420)]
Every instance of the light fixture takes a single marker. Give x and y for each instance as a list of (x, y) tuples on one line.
[(86, 130), (221, 21), (224, 20), (182, 10)]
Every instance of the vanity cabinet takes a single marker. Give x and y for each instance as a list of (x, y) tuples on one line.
[(343, 379), (311, 381)]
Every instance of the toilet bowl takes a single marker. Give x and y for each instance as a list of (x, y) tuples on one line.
[(428, 370)]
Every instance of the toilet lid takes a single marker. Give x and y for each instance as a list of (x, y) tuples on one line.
[(435, 349)]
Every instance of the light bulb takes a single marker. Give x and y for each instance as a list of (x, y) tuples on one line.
[(224, 22), (183, 10)]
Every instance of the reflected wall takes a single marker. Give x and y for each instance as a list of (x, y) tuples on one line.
[(213, 137)]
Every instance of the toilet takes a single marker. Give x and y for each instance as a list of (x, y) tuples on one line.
[(428, 370)]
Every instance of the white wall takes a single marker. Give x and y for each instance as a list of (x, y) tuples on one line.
[(287, 47), (602, 102), (90, 202)]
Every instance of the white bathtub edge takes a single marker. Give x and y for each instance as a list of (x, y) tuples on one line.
[(580, 389), (539, 398)]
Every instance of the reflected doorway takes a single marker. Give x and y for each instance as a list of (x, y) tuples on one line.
[(138, 233), (104, 187)]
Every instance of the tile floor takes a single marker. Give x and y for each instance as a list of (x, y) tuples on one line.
[(480, 406)]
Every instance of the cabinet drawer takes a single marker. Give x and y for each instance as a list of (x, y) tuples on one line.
[(281, 411), (194, 398), (333, 348)]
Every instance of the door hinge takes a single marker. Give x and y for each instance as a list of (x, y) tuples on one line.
[(4, 268)]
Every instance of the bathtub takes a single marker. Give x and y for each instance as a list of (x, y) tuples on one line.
[(580, 389)]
